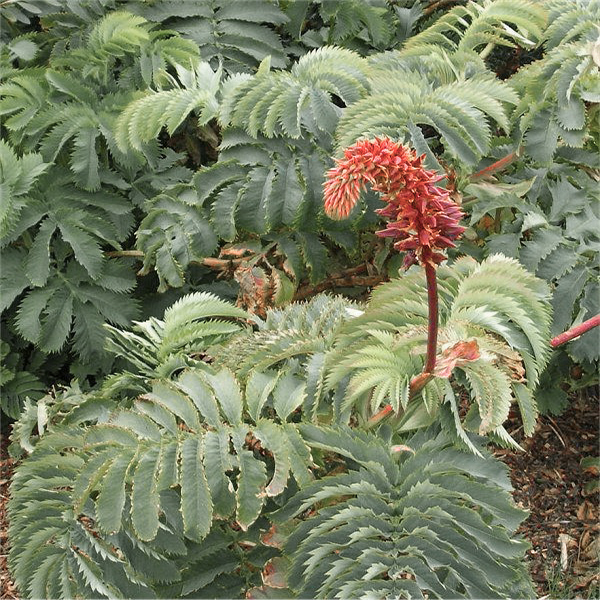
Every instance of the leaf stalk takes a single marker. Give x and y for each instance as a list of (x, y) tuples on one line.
[(575, 332)]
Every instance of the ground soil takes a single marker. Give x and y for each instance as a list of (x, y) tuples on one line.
[(548, 481), (7, 587)]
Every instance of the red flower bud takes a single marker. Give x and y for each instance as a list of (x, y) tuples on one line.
[(422, 216)]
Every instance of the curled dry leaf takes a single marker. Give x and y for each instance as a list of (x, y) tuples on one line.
[(454, 356)]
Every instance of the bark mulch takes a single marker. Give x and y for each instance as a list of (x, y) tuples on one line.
[(562, 527), (7, 587)]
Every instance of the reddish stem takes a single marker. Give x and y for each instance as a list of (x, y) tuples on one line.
[(418, 382), (497, 166), (432, 327), (379, 416), (576, 331)]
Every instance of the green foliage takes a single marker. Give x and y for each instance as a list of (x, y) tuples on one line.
[(262, 188), (162, 493), (17, 13), (365, 26), (16, 384), (55, 236), (366, 359), (439, 83), (121, 82), (172, 235), (17, 176), (410, 88), (45, 315), (429, 522), (127, 502), (548, 220), (273, 189), (124, 499), (355, 21), (295, 343), (497, 305), (142, 120), (161, 347), (490, 22), (127, 88), (545, 208), (238, 35), (559, 92), (550, 223), (285, 102), (167, 131)]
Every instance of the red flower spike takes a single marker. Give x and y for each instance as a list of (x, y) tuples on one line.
[(422, 217)]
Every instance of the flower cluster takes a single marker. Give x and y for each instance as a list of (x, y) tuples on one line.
[(421, 215)]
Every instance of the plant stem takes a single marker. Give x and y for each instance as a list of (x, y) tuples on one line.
[(505, 161), (437, 5), (379, 416), (219, 264), (418, 382), (498, 221), (432, 327), (125, 253), (576, 331)]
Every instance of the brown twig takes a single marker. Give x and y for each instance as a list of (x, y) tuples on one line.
[(351, 271), (218, 264), (343, 281), (556, 430), (576, 331), (437, 5)]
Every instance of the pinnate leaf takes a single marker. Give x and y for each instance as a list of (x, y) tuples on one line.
[(196, 501)]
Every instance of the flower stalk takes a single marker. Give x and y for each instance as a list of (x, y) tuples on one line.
[(432, 328), (422, 219), (418, 382)]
